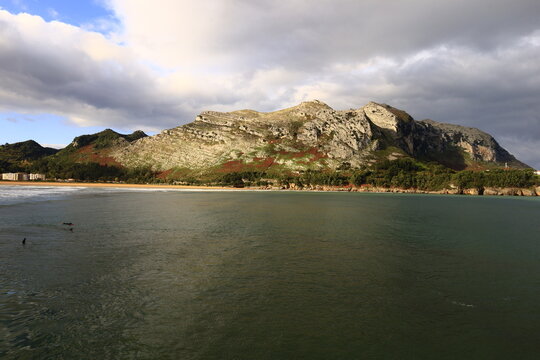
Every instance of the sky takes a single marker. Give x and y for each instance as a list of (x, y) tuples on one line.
[(76, 67)]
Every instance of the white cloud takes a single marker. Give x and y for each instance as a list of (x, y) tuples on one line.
[(53, 13), (55, 146), (61, 69), (20, 4)]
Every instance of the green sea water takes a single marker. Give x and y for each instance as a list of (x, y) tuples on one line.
[(267, 275)]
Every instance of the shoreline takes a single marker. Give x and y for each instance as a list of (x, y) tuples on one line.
[(529, 192), (111, 185)]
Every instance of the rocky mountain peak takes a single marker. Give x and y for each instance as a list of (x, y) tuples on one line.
[(311, 107), (385, 116), (314, 105)]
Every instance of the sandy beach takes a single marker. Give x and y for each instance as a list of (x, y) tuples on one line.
[(317, 188), (109, 185)]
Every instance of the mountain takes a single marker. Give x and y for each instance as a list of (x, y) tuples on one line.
[(310, 136), (104, 139), (14, 157), (225, 147)]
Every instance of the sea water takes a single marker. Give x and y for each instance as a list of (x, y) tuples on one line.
[(267, 275)]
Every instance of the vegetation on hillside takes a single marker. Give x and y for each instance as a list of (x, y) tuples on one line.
[(86, 159), (103, 139), (64, 168), (404, 173), (16, 157)]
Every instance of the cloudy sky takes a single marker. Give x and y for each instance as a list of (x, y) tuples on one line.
[(74, 67)]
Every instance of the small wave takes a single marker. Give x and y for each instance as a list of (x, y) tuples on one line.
[(462, 304), (157, 189), (18, 194), (13, 194)]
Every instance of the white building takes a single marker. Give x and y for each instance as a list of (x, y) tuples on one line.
[(37, 176), (537, 172), (15, 176)]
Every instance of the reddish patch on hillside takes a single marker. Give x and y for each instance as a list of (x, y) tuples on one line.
[(88, 153), (258, 164), (293, 155), (232, 166), (86, 149), (317, 155), (164, 174), (263, 163), (105, 160)]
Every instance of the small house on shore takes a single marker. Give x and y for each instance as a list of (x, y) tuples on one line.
[(20, 176), (37, 177)]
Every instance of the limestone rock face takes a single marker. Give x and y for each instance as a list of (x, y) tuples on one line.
[(491, 191), (397, 125), (310, 135), (471, 192), (386, 117), (528, 192), (439, 140)]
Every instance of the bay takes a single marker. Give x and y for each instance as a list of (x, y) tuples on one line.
[(267, 275)]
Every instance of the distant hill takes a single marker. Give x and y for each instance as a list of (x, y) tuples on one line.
[(104, 139), (14, 157), (97, 147), (91, 149)]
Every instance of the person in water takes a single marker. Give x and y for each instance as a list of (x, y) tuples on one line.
[(24, 241)]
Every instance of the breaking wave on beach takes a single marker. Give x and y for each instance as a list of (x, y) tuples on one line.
[(17, 194)]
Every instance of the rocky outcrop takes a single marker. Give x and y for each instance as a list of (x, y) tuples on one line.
[(472, 191), (447, 143), (512, 191), (311, 135), (375, 189)]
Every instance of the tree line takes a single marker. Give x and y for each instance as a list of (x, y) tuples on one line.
[(55, 168), (403, 173), (400, 173)]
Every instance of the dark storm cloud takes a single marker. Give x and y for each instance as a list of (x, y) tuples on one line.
[(312, 34)]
